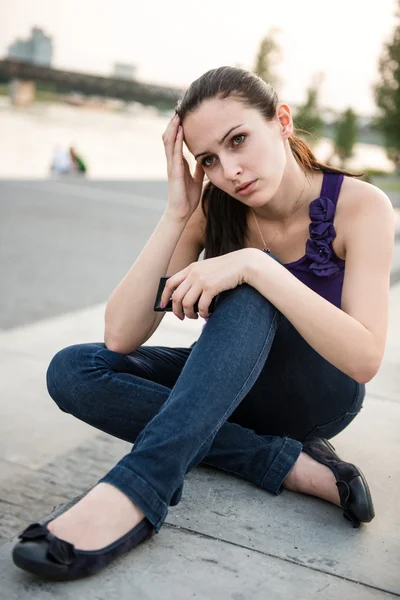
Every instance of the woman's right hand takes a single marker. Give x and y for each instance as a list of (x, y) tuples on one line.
[(184, 190)]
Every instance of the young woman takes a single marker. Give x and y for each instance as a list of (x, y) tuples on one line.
[(298, 258)]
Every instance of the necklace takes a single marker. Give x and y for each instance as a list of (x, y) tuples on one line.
[(266, 248)]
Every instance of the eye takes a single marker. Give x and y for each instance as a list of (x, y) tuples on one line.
[(205, 163), (240, 137), (237, 140)]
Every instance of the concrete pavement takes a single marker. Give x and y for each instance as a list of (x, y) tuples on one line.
[(227, 539)]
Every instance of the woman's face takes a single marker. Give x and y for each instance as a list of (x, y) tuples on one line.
[(236, 145)]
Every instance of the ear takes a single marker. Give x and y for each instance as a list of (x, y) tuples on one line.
[(284, 116)]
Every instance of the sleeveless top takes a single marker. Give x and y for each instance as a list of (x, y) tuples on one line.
[(320, 268)]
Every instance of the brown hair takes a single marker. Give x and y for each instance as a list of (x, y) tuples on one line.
[(226, 216)]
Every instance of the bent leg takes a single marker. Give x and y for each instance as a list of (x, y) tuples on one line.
[(221, 369), (297, 395), (120, 394)]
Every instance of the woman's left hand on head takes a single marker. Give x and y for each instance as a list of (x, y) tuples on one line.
[(204, 279)]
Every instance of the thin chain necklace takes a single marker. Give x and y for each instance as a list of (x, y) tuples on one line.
[(266, 248)]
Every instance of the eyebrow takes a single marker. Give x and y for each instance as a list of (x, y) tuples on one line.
[(221, 140)]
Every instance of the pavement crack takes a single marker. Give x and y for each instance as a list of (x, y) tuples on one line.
[(283, 558)]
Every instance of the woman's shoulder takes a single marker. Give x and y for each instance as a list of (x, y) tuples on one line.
[(356, 196), (360, 201)]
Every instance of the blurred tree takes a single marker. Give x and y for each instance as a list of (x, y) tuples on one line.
[(345, 135), (307, 118), (387, 94), (268, 56)]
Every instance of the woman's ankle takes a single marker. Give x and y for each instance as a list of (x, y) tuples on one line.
[(311, 477)]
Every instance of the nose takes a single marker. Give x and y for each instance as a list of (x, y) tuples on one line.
[(231, 168)]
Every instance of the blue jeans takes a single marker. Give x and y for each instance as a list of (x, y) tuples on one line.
[(241, 399)]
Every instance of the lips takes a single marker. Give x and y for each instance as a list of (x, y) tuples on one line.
[(245, 187)]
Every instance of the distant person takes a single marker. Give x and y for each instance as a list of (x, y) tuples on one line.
[(77, 161), (66, 161), (61, 163), (298, 328)]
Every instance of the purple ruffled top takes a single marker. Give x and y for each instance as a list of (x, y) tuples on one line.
[(320, 268)]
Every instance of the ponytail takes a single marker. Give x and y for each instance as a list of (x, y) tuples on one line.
[(309, 162)]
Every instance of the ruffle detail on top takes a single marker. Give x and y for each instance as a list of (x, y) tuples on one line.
[(322, 233)]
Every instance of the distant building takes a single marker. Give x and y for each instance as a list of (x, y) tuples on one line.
[(124, 71), (37, 49)]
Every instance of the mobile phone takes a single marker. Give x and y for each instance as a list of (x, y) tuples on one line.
[(168, 307)]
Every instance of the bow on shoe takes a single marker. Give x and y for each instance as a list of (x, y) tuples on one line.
[(58, 550)]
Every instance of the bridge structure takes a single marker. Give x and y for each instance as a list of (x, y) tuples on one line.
[(92, 85)]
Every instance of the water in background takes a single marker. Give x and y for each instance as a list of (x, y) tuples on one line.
[(115, 145)]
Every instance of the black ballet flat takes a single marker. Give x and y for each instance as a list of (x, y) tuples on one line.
[(42, 553), (354, 493)]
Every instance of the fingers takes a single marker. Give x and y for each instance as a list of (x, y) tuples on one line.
[(178, 148), (171, 124), (171, 284), (169, 136), (184, 296), (173, 146), (204, 304), (183, 304)]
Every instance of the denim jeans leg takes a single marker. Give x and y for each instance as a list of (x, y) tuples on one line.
[(120, 394), (264, 460), (221, 369)]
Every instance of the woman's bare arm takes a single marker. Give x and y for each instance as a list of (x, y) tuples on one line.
[(176, 242), (130, 319), (352, 338)]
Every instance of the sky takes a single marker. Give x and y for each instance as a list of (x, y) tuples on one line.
[(173, 43)]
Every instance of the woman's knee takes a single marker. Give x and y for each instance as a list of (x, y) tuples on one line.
[(246, 295), (68, 372)]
